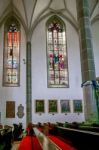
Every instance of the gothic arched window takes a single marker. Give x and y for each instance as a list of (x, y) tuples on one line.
[(57, 53), (11, 53)]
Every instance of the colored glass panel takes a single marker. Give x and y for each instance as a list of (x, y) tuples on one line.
[(11, 54), (56, 53)]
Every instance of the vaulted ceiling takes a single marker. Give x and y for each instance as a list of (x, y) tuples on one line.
[(31, 12)]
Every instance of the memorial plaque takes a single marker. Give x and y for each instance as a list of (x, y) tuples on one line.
[(10, 109)]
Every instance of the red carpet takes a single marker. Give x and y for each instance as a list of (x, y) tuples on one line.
[(29, 143), (60, 143)]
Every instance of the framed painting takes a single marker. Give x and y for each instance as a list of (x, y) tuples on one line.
[(52, 106), (77, 106), (39, 106), (65, 106), (10, 109)]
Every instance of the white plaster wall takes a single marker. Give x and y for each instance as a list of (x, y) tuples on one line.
[(95, 36), (17, 94), (39, 76)]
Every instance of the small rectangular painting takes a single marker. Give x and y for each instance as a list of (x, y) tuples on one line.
[(52, 104), (77, 106), (65, 106), (10, 109), (39, 106)]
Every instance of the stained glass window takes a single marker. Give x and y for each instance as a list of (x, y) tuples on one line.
[(11, 52), (57, 53)]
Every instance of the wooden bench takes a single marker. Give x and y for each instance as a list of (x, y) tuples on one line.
[(45, 142), (80, 139)]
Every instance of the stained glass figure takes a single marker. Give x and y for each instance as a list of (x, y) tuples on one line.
[(57, 53), (11, 52)]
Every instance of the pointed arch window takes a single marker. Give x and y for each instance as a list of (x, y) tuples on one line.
[(11, 57), (57, 53)]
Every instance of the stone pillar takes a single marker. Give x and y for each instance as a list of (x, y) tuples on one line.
[(28, 84), (87, 59)]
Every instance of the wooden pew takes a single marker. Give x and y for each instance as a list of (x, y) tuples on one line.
[(5, 138), (82, 140), (45, 142)]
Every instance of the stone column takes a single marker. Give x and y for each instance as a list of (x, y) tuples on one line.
[(28, 84), (87, 59)]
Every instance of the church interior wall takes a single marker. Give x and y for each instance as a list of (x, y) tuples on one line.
[(39, 75), (16, 94)]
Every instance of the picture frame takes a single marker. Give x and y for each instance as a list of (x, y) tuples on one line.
[(10, 109), (65, 106), (77, 106), (39, 106), (52, 106)]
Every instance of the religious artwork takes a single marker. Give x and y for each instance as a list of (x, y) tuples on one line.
[(10, 109), (39, 106), (52, 105), (65, 106), (77, 105), (20, 112), (56, 53), (11, 67)]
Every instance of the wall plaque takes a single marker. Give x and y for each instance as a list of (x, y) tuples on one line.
[(20, 112), (10, 109)]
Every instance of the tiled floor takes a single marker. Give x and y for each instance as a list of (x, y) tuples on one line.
[(15, 145)]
